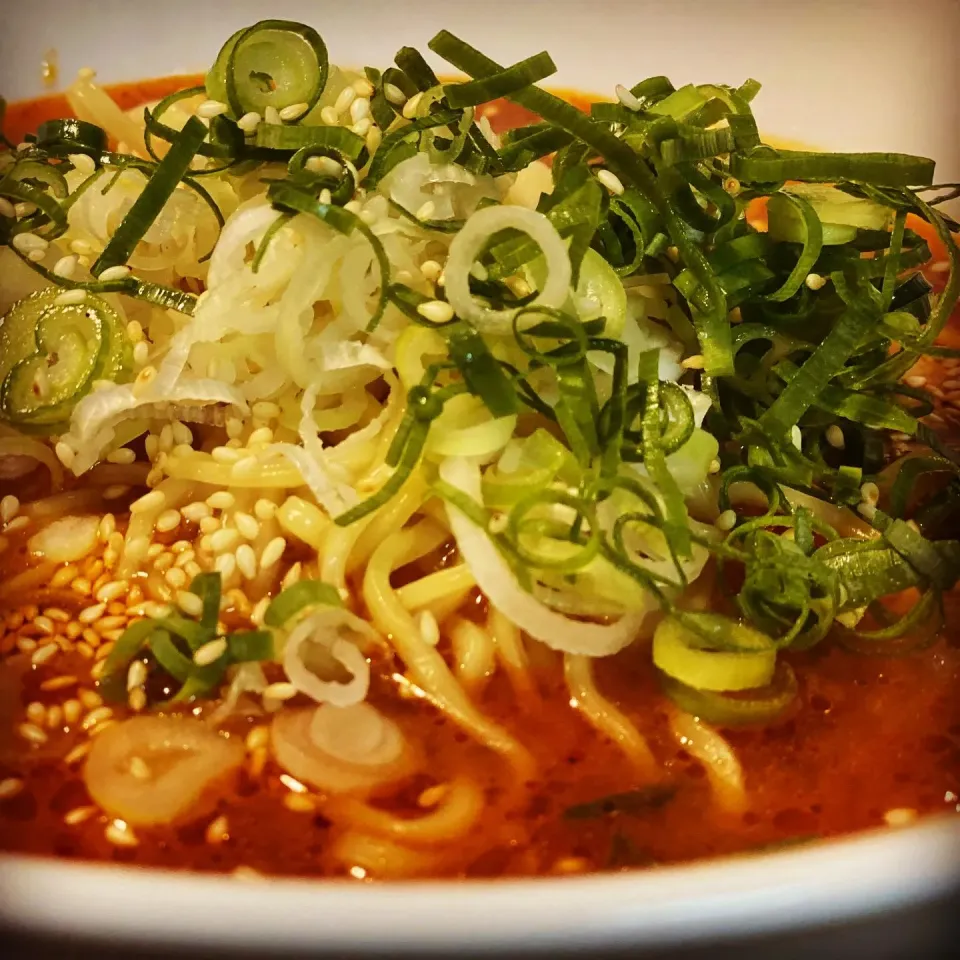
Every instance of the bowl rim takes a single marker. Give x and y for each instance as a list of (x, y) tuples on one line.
[(816, 884)]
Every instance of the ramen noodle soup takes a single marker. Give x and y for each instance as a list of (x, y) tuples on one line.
[(417, 478)]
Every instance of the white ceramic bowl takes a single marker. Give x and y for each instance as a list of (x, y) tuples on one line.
[(849, 74)]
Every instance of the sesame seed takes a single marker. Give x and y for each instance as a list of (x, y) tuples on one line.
[(374, 138), (611, 181), (65, 266), (137, 699), (225, 455), (155, 500), (77, 753), (32, 733), (280, 691), (119, 272), (431, 270), (55, 716), (262, 435), (208, 525), (436, 311), (410, 107), (10, 787), (258, 738), (265, 409), (45, 625), (224, 540), (210, 652), (326, 197), (696, 362), (726, 521), (835, 437), (249, 122), (55, 613), (299, 803), (248, 526), (65, 453), (190, 603), (43, 654), (272, 553), (107, 624), (59, 683), (900, 816), (627, 98), (195, 512), (78, 815), (9, 508), (168, 520), (294, 111), (112, 590), (212, 108), (70, 297), (6, 208), (916, 382), (245, 468), (18, 523), (815, 282), (345, 99), (292, 575), (429, 628), (796, 438), (265, 509), (36, 712), (246, 561), (329, 116), (72, 710), (394, 94), (177, 578), (226, 565), (90, 698), (218, 831), (96, 717), (26, 243), (359, 109), (119, 834), (941, 266), (141, 353), (714, 467)]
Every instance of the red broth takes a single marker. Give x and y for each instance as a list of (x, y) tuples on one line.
[(873, 740)]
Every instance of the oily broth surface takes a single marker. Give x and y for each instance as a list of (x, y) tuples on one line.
[(869, 735)]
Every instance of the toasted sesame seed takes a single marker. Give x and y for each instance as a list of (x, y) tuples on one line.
[(218, 831), (915, 382), (109, 592), (374, 138), (345, 99), (815, 282), (32, 733), (436, 311), (77, 753), (835, 437), (330, 116), (359, 109), (79, 815), (45, 625), (429, 628), (210, 652), (36, 712), (177, 578), (54, 716), (70, 297), (155, 500), (65, 266), (43, 654), (246, 561), (258, 738), (65, 453), (108, 624), (245, 467), (266, 409), (7, 209), (265, 509), (900, 816), (292, 575), (195, 512), (119, 272), (137, 699), (279, 691), (696, 362), (410, 107), (299, 803), (18, 523), (10, 787), (90, 698), (59, 683), (260, 436), (249, 122), (611, 181), (431, 270), (294, 111), (96, 717), (26, 645), (119, 834), (223, 540), (225, 454), (211, 108), (394, 94), (72, 710), (941, 266), (190, 603), (272, 553), (208, 525), (9, 508), (168, 520), (27, 243), (627, 98), (226, 565)]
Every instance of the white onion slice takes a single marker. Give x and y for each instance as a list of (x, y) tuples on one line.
[(155, 770), (95, 418), (325, 630), (468, 244), (341, 750), (66, 540), (498, 583)]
